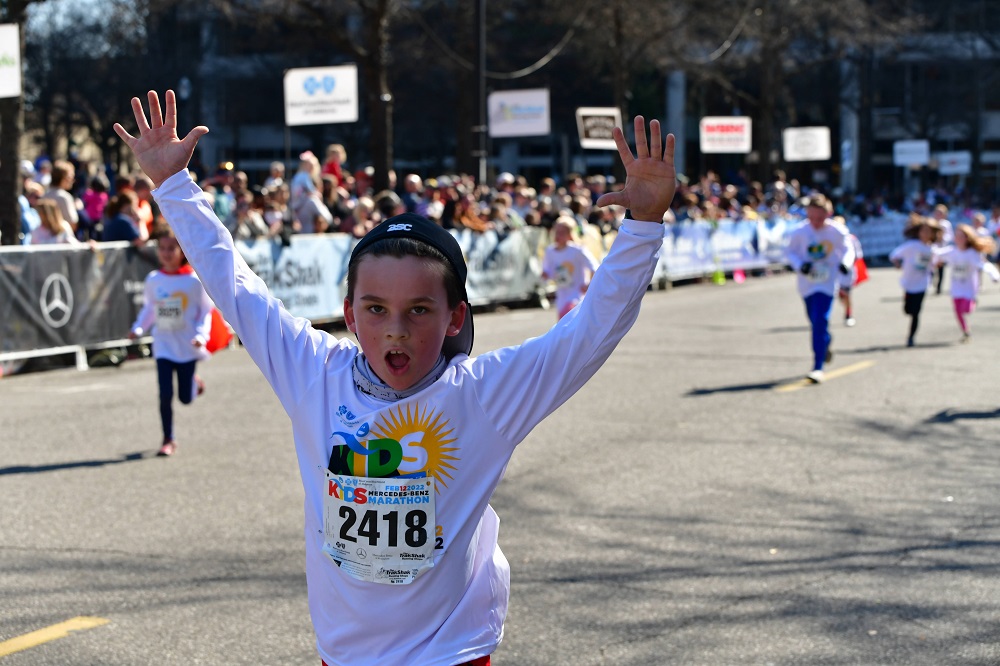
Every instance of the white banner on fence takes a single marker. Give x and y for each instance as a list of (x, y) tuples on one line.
[(501, 269), (309, 277), (10, 61)]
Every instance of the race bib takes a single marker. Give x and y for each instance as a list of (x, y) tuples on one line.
[(961, 272), (380, 530), (564, 275), (170, 314), (819, 273)]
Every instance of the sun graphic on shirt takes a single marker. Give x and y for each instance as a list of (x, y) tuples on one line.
[(424, 436)]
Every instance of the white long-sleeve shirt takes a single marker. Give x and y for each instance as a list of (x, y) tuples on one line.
[(917, 261), (178, 310), (965, 269), (462, 430), (826, 249)]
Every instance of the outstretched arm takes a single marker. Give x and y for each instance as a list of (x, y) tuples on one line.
[(650, 175), (158, 149)]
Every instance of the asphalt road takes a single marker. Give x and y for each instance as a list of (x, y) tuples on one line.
[(693, 504)]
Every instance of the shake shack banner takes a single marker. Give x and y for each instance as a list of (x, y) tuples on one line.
[(70, 296), (63, 296)]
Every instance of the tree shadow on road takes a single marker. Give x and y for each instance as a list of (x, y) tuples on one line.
[(55, 467)]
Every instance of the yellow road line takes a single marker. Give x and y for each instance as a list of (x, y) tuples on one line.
[(47, 634), (833, 374)]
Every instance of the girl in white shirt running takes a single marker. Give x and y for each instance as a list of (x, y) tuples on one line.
[(967, 261), (916, 258)]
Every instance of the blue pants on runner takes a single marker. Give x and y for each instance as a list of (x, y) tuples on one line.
[(818, 308), (165, 369)]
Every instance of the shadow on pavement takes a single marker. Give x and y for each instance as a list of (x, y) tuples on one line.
[(739, 388), (950, 416), (54, 467)]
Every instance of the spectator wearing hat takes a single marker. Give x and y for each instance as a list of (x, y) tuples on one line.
[(505, 183)]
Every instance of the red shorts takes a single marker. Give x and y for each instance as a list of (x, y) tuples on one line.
[(481, 661)]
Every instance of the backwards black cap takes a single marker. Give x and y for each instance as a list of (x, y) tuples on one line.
[(418, 227)]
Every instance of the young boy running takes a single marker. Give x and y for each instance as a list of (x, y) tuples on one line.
[(818, 251), (402, 442)]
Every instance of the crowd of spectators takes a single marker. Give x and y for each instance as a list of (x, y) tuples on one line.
[(323, 197)]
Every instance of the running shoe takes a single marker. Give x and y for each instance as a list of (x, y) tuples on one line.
[(167, 449), (816, 376), (849, 322)]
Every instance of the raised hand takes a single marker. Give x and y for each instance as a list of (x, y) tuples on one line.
[(158, 149), (650, 176)]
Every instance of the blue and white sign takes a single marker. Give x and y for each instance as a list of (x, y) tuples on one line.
[(321, 95), (514, 113)]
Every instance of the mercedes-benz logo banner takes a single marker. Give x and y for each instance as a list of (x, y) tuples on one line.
[(69, 296)]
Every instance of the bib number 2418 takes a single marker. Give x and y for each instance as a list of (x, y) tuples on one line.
[(412, 527)]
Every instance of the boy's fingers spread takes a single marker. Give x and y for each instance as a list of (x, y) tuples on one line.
[(171, 118), (655, 142), (641, 147), (610, 199), (155, 114), (196, 133), (623, 150), (123, 134), (668, 153), (140, 115)]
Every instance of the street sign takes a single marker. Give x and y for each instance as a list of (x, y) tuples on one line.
[(321, 95), (954, 163), (911, 152), (806, 144), (595, 124), (519, 113), (725, 134)]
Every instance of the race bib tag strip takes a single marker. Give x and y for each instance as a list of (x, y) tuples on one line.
[(170, 314), (380, 530)]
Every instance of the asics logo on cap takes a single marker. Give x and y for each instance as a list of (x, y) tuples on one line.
[(399, 227)]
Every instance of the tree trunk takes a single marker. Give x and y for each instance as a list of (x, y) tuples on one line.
[(618, 85), (11, 130), (380, 101)]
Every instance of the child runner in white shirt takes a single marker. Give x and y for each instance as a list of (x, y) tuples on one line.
[(179, 312), (819, 252), (967, 260), (569, 264), (916, 257), (402, 442)]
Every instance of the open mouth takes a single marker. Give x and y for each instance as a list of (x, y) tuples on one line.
[(397, 361)]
